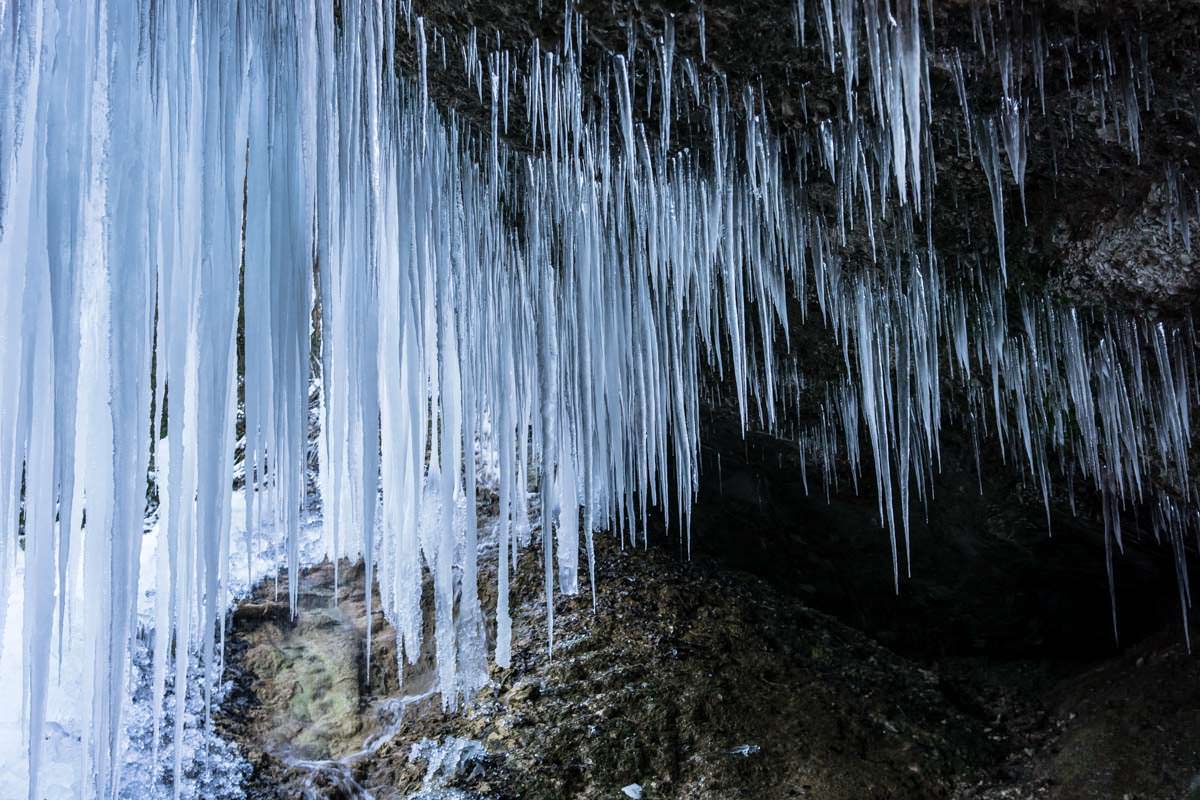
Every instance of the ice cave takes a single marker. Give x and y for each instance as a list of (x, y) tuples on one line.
[(502, 399)]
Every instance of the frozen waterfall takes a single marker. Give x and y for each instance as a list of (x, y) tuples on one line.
[(214, 214)]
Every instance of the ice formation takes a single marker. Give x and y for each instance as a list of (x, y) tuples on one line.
[(169, 167)]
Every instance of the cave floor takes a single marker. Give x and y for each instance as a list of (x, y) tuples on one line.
[(688, 680)]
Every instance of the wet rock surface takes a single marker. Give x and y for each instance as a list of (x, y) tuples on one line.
[(693, 680)]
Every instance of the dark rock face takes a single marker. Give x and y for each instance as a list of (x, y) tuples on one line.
[(1130, 727), (986, 576)]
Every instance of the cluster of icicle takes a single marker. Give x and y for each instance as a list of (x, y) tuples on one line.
[(162, 162)]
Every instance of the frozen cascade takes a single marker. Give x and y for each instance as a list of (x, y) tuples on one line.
[(552, 312)]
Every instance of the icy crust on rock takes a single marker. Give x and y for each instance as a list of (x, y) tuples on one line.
[(445, 761), (161, 162), (211, 767)]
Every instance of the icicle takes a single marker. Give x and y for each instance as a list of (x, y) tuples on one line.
[(989, 159), (1012, 124)]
